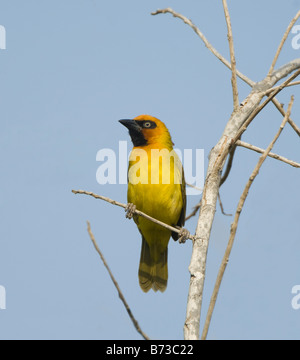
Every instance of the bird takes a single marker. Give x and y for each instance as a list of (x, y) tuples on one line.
[(156, 186)]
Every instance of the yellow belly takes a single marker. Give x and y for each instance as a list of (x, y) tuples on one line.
[(159, 200)]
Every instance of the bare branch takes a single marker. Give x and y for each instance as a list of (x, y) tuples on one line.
[(263, 105), (197, 207), (280, 72), (236, 220), (286, 34), (222, 58), (294, 83), (290, 121), (137, 212), (235, 93), (221, 206), (193, 186), (121, 296), (206, 42), (237, 124), (245, 125), (272, 155), (194, 212), (100, 197)]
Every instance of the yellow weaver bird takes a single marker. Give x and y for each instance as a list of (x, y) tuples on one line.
[(156, 187)]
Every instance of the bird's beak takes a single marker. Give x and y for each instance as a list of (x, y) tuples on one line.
[(131, 125)]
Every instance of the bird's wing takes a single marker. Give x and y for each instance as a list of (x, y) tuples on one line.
[(181, 220)]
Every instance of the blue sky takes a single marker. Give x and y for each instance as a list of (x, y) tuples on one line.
[(71, 69)]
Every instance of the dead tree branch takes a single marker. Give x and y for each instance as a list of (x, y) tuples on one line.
[(272, 155), (221, 206), (205, 41), (121, 296), (194, 212), (236, 125), (246, 79), (236, 220), (282, 112)]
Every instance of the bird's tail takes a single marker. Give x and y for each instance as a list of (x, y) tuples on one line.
[(153, 274)]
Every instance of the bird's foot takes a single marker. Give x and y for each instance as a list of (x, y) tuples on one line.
[(183, 235), (130, 210)]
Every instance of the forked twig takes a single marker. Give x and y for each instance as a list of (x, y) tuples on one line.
[(282, 112), (121, 296), (253, 115), (264, 104), (272, 155)]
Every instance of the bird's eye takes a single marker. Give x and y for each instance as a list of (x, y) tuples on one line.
[(147, 124)]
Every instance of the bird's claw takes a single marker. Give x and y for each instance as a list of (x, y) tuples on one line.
[(130, 210), (183, 235)]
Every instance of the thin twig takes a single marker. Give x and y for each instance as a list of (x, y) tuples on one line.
[(290, 121), (137, 212), (272, 155), (121, 296), (221, 206), (197, 207), (206, 42), (236, 220), (285, 36), (194, 212), (294, 83), (193, 186), (235, 93)]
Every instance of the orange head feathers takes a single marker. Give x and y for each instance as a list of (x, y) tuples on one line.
[(146, 130)]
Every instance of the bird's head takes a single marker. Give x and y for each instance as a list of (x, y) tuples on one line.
[(148, 130)]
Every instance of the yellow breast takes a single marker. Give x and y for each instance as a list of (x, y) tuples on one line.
[(154, 183)]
